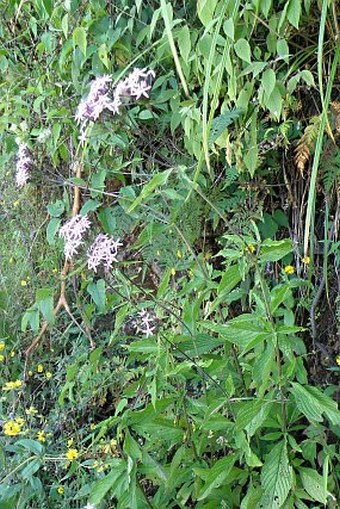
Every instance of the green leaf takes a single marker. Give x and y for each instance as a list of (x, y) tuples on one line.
[(44, 300), (31, 445), (52, 228), (268, 81), (274, 102), (48, 4), (313, 484), (31, 468), (98, 293), (80, 39), (313, 403), (56, 209), (242, 50), (276, 477), (30, 317), (294, 12), (220, 123), (229, 28), (274, 250), (108, 220), (217, 475), (282, 49), (101, 487), (184, 42), (157, 181), (89, 206), (102, 54), (205, 10)]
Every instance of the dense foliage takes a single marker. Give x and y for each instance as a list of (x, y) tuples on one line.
[(169, 269)]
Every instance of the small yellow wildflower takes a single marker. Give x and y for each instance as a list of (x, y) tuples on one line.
[(71, 454), (337, 359), (60, 490), (55, 270), (30, 373), (12, 354), (41, 436), (173, 271), (2, 358), (16, 203), (306, 260), (179, 254), (40, 368), (250, 248), (12, 385), (11, 260), (32, 411), (69, 442), (289, 269), (48, 374), (2, 346), (20, 421), (23, 282), (12, 428), (92, 426)]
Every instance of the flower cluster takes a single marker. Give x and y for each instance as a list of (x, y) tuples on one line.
[(136, 85), (144, 323), (9, 386), (72, 232), (104, 251), (23, 166), (12, 428)]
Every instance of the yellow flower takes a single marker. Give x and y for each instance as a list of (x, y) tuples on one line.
[(250, 248), (31, 411), (92, 426), (71, 454), (10, 260), (179, 254), (40, 368), (2, 346), (48, 374), (2, 358), (12, 385), (69, 442), (173, 271), (16, 203), (23, 282), (55, 271), (289, 269), (41, 436), (12, 428), (306, 260), (30, 373), (337, 359), (12, 354), (60, 490), (20, 421)]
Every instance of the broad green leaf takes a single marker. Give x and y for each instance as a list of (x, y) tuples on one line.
[(229, 28), (220, 123), (44, 300), (102, 54), (108, 220), (294, 12), (184, 42), (274, 250), (283, 49), (242, 50), (30, 317), (101, 487), (157, 181), (274, 102), (30, 445), (313, 484), (56, 209), (278, 295), (89, 206), (205, 10), (31, 468), (98, 293), (313, 403), (217, 475), (145, 346), (268, 81), (80, 39), (52, 228), (230, 279), (64, 25), (276, 477)]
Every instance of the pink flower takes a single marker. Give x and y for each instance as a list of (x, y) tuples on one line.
[(104, 251), (73, 232), (23, 166)]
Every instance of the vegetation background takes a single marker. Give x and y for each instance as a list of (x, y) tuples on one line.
[(202, 369)]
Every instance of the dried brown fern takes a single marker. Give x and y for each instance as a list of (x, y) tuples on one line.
[(306, 143)]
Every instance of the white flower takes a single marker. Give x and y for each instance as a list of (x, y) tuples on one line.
[(104, 251), (145, 326), (24, 163), (73, 232), (89, 506)]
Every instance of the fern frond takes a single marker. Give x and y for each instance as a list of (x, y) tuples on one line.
[(306, 143)]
